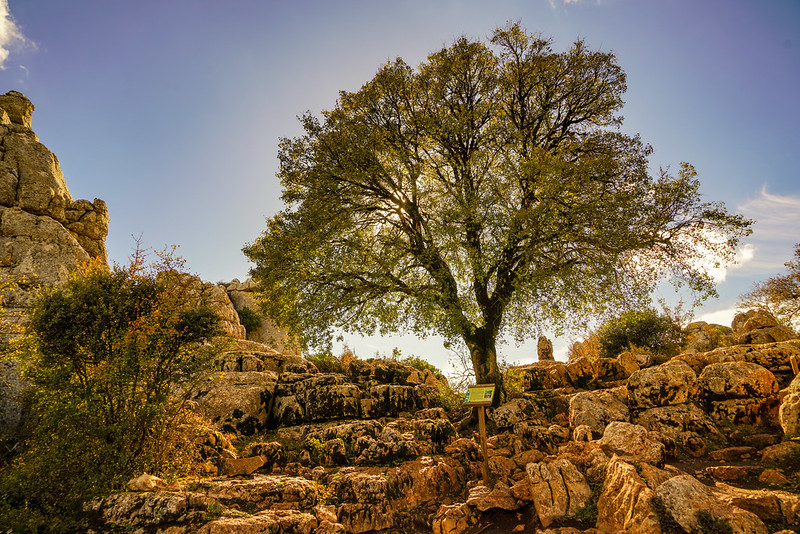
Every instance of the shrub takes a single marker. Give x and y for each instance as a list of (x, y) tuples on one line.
[(421, 365), (111, 359), (644, 329), (326, 362), (250, 320)]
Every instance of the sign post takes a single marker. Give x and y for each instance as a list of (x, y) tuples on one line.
[(481, 396)]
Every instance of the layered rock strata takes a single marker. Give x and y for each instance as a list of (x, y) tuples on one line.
[(44, 233)]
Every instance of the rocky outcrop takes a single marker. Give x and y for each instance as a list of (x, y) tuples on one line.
[(739, 392), (689, 445), (255, 388), (211, 295), (759, 326), (263, 329), (44, 233), (789, 413)]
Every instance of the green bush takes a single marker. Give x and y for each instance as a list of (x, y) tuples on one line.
[(250, 320), (110, 358), (641, 329), (421, 365), (326, 363)]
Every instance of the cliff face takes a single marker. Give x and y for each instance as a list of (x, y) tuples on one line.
[(44, 233)]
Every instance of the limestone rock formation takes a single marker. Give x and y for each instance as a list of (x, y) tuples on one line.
[(544, 349), (213, 296), (264, 330), (690, 445), (44, 233), (790, 410), (624, 503), (759, 326)]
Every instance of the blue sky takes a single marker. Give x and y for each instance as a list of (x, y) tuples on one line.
[(171, 111)]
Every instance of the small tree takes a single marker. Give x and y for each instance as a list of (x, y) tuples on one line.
[(486, 191), (110, 362), (641, 329), (779, 295)]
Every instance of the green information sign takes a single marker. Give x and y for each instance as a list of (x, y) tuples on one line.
[(479, 395)]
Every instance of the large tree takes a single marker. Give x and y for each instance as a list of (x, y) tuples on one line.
[(487, 190)]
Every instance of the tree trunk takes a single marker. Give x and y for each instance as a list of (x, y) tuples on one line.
[(483, 353)]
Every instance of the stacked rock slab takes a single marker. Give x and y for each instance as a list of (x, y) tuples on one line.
[(44, 233)]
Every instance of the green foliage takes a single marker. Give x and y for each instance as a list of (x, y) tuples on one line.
[(316, 450), (421, 365), (585, 515), (779, 295), (641, 329), (514, 383), (488, 190), (326, 362), (249, 319), (411, 360), (109, 364)]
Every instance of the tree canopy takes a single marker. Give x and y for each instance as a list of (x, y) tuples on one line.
[(488, 190)]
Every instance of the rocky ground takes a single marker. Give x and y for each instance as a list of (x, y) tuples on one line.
[(699, 443)]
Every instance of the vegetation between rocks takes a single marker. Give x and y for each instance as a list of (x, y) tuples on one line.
[(109, 372)]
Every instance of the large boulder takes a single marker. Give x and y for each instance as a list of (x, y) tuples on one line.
[(739, 392), (238, 401), (675, 420), (758, 327), (789, 413), (597, 409), (624, 503), (632, 443), (685, 498), (664, 385), (703, 337)]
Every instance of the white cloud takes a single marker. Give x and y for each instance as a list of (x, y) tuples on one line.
[(775, 231), (10, 33), (723, 317)]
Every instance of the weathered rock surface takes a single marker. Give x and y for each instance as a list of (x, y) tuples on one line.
[(596, 409), (684, 497), (624, 503), (367, 450), (44, 233), (739, 392), (632, 443), (759, 326), (664, 385), (789, 413), (558, 488), (267, 332)]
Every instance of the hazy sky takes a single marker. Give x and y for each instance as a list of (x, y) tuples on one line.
[(171, 110)]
